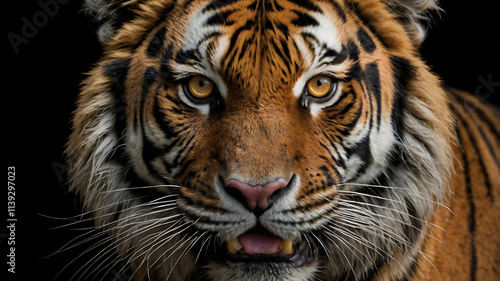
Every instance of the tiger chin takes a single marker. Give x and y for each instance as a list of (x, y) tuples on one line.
[(283, 140)]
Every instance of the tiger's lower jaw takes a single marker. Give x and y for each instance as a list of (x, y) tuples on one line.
[(251, 271)]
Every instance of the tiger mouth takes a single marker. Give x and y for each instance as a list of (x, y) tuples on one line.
[(259, 246)]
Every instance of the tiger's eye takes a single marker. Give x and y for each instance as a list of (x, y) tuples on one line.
[(319, 86), (200, 87)]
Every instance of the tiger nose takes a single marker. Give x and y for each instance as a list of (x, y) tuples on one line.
[(255, 196)]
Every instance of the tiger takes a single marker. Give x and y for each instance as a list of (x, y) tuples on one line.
[(282, 140)]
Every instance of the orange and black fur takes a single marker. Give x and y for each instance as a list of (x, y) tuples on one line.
[(283, 140)]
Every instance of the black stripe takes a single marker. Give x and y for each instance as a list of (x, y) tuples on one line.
[(353, 50), (118, 70), (149, 77), (185, 56), (332, 166), (340, 11), (156, 44), (403, 73), (348, 128), (166, 70), (355, 9), (218, 4), (471, 219), (342, 56), (414, 228), (159, 116), (220, 19), (243, 49), (281, 27), (337, 163), (272, 6), (149, 153), (158, 22), (306, 4), (489, 145), (495, 129), (326, 173), (230, 52), (482, 165), (363, 150), (372, 81), (286, 50), (283, 57), (210, 209), (309, 39), (343, 96), (149, 150), (489, 124), (186, 147), (304, 20), (366, 41), (328, 54)]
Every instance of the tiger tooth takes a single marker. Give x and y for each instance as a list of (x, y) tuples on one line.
[(233, 246), (286, 246)]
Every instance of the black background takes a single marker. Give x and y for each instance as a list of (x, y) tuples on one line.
[(40, 83)]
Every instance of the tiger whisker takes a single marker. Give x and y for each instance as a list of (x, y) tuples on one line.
[(346, 258), (414, 193), (155, 242), (117, 243), (373, 224), (352, 206), (110, 247), (144, 187), (207, 240), (361, 240), (328, 254), (78, 218), (189, 247), (177, 245)]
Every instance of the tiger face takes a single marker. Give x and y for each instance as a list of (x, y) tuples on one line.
[(262, 140)]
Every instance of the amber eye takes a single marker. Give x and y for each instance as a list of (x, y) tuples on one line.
[(319, 86), (200, 87)]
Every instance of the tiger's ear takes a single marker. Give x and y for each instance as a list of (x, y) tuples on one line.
[(109, 14), (414, 15)]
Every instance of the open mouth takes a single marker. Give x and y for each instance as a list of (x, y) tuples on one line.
[(261, 246)]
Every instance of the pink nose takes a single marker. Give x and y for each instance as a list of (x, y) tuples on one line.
[(256, 196)]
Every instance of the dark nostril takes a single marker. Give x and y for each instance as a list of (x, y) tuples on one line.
[(254, 196)]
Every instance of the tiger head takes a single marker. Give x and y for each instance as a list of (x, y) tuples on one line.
[(262, 140)]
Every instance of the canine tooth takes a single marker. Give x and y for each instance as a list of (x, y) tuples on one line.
[(286, 246), (233, 246)]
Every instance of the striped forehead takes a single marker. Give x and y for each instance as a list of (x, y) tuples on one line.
[(206, 40), (209, 31)]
